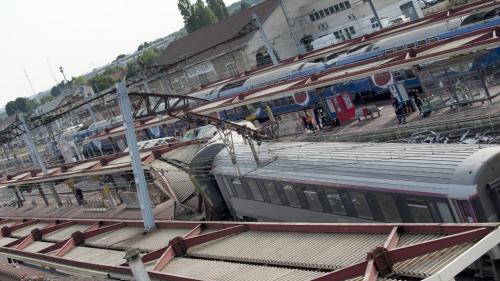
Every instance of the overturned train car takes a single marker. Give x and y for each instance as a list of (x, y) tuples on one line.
[(350, 182)]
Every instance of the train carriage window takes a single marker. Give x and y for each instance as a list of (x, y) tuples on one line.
[(335, 201), (445, 212), (291, 195), (327, 12), (321, 14), (410, 45), (311, 16), (272, 192), (347, 4), (228, 187), (419, 210), (337, 9), (342, 6), (421, 42), (332, 10), (389, 208), (466, 210), (254, 189), (238, 187), (313, 199), (359, 201)]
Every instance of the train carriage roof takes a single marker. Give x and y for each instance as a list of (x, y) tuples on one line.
[(426, 169)]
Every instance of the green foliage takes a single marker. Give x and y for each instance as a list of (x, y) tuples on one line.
[(132, 68), (218, 8), (119, 57), (11, 108), (244, 5), (45, 99), (20, 105), (195, 16), (149, 56), (101, 82), (143, 46), (80, 80)]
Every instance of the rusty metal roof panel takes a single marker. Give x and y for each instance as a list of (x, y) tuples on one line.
[(427, 265), (64, 233), (94, 255), (27, 230), (315, 250), (229, 271)]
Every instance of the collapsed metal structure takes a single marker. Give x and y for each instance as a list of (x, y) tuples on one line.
[(253, 251)]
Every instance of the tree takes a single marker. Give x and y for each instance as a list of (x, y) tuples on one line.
[(143, 46), (45, 99), (218, 8), (187, 13), (195, 16), (204, 16), (132, 68), (80, 80), (22, 104), (149, 56), (119, 57), (11, 108), (101, 82), (244, 5)]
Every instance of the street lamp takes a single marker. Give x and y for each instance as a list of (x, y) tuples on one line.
[(61, 69)]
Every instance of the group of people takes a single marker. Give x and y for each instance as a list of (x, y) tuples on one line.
[(401, 109), (320, 116)]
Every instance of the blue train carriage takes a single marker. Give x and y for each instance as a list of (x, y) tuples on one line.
[(293, 103)]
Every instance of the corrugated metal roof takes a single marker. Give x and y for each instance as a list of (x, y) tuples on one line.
[(313, 250), (218, 270), (256, 251), (417, 167)]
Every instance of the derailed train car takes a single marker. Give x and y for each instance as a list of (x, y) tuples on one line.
[(349, 182)]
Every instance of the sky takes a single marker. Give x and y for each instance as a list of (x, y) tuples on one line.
[(77, 34)]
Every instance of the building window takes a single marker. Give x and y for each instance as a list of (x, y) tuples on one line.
[(332, 10), (316, 14), (254, 189), (352, 30), (327, 12), (419, 210), (359, 201), (291, 195), (337, 34), (203, 79), (321, 14), (347, 5), (232, 69), (389, 208), (335, 201), (342, 6), (336, 7), (313, 200), (311, 16), (272, 192)]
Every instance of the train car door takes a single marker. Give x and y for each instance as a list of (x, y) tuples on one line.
[(342, 106)]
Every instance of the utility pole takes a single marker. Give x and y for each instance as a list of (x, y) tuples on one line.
[(140, 179), (29, 81), (300, 50), (269, 48), (375, 14), (35, 156)]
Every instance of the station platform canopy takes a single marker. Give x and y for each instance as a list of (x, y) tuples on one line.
[(250, 251)]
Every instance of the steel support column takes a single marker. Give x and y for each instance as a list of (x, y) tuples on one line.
[(35, 156), (140, 179)]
